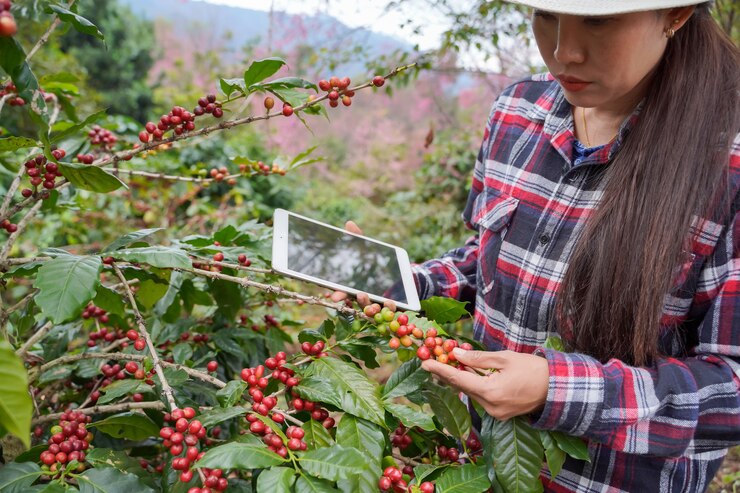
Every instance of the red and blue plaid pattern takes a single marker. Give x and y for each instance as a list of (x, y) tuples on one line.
[(663, 428)]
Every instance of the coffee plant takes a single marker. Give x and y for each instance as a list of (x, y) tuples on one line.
[(165, 362)]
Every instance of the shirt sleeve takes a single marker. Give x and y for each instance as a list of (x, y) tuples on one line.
[(675, 406)]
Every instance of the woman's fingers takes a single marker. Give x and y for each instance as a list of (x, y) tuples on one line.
[(351, 227)]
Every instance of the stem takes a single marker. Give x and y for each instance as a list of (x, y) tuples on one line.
[(14, 184), (130, 357), (21, 225), (43, 39), (111, 408), (34, 339), (166, 389), (162, 176), (278, 290), (225, 125), (406, 460)]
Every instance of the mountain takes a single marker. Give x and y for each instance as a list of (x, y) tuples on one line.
[(240, 26)]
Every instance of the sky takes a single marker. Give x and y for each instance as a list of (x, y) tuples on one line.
[(356, 13)]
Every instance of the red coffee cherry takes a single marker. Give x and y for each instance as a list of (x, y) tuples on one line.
[(378, 80), (287, 110)]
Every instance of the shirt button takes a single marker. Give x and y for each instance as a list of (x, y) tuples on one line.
[(544, 239)]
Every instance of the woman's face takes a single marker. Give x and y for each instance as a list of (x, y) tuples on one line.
[(603, 62)]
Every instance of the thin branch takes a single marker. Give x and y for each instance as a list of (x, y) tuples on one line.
[(103, 409), (43, 39), (43, 330), (14, 184), (71, 358), (280, 291), (21, 225), (166, 389), (162, 176)]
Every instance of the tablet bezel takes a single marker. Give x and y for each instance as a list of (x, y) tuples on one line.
[(281, 221)]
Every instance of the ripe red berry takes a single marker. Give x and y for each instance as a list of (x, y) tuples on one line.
[(139, 344), (426, 487), (144, 136), (287, 109), (378, 80), (324, 85), (423, 353), (384, 483), (131, 367), (218, 257), (212, 366)]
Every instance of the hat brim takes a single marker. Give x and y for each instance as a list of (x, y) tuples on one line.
[(602, 7)]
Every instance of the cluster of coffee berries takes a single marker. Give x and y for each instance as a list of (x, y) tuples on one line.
[(68, 442), (221, 174), (450, 454), (9, 91), (208, 104), (8, 226), (400, 437), (86, 158), (262, 404), (92, 311), (137, 339), (392, 478), (41, 172), (337, 89), (262, 168), (182, 440), (315, 349), (8, 27), (295, 441), (243, 260), (178, 119), (106, 335), (214, 482), (102, 137)]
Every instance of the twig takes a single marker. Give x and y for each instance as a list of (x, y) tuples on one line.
[(235, 266), (103, 409), (43, 330), (21, 225), (225, 125), (71, 358), (166, 389), (43, 39), (278, 290), (14, 184), (406, 460)]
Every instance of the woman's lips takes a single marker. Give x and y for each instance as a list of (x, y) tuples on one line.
[(573, 84)]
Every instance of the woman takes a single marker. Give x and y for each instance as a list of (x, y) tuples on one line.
[(605, 200)]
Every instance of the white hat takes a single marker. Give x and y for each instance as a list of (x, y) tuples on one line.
[(603, 7)]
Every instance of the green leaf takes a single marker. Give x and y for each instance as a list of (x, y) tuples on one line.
[(150, 292), (307, 484), (289, 82), (73, 129), (15, 405), (444, 310), (333, 463), (228, 86), (555, 457), (110, 480), (573, 446), (356, 393), (66, 284), (423, 471), (408, 378), (316, 435), (13, 61), (109, 301), (470, 478), (132, 426), (236, 455), (517, 455), (157, 256), (449, 409), (363, 435), (18, 477), (182, 352), (293, 97), (216, 416), (120, 460), (14, 143), (276, 480), (362, 351), (78, 22), (232, 393), (225, 235), (129, 238), (411, 417), (90, 178), (120, 388), (260, 70), (318, 389), (554, 342)]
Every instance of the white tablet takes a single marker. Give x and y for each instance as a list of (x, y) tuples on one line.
[(331, 257)]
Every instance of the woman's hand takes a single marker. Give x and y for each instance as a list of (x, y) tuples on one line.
[(519, 386), (362, 298)]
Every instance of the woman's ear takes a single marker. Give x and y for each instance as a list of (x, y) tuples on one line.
[(677, 16)]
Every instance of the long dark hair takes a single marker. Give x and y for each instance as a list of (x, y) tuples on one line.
[(673, 165)]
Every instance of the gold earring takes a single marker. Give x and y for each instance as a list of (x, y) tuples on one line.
[(669, 31)]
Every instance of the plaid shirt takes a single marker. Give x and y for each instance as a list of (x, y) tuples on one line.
[(663, 428)]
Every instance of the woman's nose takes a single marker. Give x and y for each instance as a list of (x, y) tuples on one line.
[(569, 48)]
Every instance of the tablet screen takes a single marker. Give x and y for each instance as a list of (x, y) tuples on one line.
[(344, 259)]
